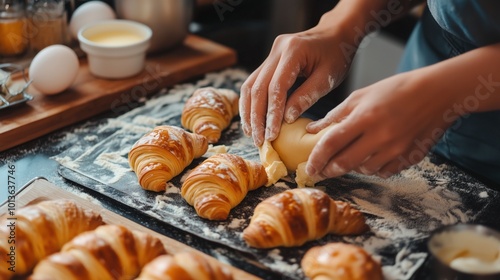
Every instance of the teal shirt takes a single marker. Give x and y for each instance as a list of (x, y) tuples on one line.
[(449, 28), (474, 21)]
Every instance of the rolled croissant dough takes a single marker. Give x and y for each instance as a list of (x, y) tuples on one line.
[(294, 144)]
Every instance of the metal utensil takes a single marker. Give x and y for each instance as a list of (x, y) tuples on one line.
[(169, 19), (13, 93)]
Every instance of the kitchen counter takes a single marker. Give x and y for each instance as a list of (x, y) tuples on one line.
[(38, 158)]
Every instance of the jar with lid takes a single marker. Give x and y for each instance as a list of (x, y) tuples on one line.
[(13, 28), (47, 23)]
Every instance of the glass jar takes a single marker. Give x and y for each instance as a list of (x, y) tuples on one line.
[(13, 28), (47, 23)]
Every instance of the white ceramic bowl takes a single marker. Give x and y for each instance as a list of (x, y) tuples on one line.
[(115, 48)]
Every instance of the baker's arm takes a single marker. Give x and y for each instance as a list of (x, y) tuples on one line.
[(470, 81)]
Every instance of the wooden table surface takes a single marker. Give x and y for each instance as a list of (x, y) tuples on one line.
[(89, 96)]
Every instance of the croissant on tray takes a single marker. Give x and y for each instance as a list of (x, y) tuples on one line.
[(163, 154), (108, 252), (38, 231), (186, 266), (296, 216), (340, 261), (209, 111), (220, 183)]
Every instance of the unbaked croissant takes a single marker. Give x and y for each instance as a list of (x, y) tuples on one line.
[(294, 137), (209, 111), (108, 252), (39, 230), (185, 266), (340, 261), (163, 154), (220, 183), (271, 161), (296, 216)]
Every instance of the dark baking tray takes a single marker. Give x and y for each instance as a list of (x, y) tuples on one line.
[(424, 198)]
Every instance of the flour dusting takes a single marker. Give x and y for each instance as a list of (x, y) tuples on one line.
[(483, 194), (236, 223), (210, 233), (401, 211)]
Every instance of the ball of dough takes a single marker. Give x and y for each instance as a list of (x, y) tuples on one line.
[(294, 144)]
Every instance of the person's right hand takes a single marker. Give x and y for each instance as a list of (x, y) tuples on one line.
[(317, 54)]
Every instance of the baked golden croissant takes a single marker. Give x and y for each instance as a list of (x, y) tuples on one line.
[(40, 230), (339, 261), (185, 266), (296, 216), (209, 111), (108, 252), (163, 154), (220, 183)]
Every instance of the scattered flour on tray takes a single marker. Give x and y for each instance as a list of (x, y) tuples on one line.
[(114, 162), (211, 234), (153, 214), (220, 228), (162, 201), (483, 194), (141, 119), (220, 255), (236, 223), (67, 161), (171, 188), (90, 138), (175, 210), (406, 207), (279, 264), (406, 264), (126, 126)]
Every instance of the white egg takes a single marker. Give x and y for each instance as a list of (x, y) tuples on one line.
[(89, 12), (54, 69)]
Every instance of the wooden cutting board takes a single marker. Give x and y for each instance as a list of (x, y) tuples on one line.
[(40, 189), (89, 96)]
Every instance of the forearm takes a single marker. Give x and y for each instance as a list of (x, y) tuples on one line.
[(471, 81), (358, 18)]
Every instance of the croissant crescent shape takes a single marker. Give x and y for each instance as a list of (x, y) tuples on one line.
[(339, 261), (163, 154), (185, 266), (61, 220), (220, 183), (108, 252), (209, 111), (296, 216)]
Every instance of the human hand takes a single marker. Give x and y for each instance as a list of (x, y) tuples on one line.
[(314, 54), (383, 128)]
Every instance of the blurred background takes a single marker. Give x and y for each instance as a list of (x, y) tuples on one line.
[(250, 27)]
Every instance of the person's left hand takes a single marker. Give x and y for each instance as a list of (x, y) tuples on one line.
[(383, 128)]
